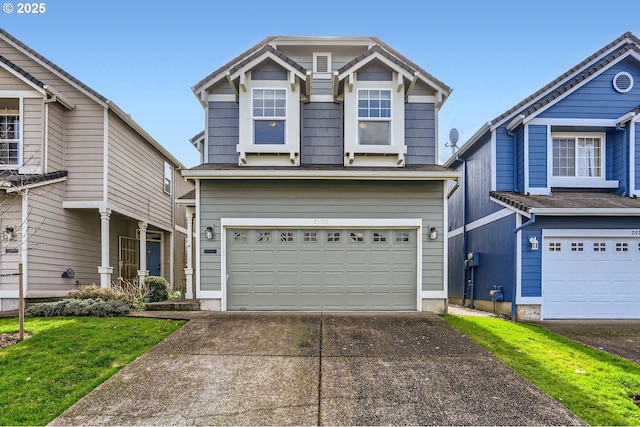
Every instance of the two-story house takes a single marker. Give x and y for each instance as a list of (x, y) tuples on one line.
[(546, 217), (84, 190), (319, 188)]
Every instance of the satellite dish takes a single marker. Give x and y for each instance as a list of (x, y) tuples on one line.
[(453, 139), (453, 136)]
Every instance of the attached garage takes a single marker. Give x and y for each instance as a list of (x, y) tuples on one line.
[(321, 268), (590, 277)]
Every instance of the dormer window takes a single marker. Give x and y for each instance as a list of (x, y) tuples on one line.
[(269, 116), (374, 117), (577, 155)]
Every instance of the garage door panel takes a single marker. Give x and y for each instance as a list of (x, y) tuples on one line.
[(591, 277), (321, 269)]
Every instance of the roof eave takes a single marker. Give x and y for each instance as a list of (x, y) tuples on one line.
[(248, 173)]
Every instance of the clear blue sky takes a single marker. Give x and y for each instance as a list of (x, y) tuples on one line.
[(146, 55)]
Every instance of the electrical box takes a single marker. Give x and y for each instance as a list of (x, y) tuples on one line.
[(473, 260)]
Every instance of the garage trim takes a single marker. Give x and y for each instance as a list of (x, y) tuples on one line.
[(317, 223)]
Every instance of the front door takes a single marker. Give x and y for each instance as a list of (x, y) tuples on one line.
[(153, 257)]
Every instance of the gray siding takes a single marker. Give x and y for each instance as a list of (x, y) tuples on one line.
[(322, 132), (224, 123), (269, 70), (56, 135), (375, 72), (319, 199), (420, 134)]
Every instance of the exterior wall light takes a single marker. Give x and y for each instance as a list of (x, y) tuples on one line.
[(433, 233), (534, 243), (209, 233), (9, 233)]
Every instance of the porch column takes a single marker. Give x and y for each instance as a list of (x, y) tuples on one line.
[(143, 272), (105, 270), (188, 271)]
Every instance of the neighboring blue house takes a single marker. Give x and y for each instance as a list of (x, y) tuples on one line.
[(546, 210)]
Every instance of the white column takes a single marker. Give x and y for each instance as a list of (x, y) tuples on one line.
[(188, 271), (142, 251), (105, 270)]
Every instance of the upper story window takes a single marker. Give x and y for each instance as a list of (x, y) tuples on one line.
[(579, 155), (269, 115), (9, 132), (374, 116), (168, 175)]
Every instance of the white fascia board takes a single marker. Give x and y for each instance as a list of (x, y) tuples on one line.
[(248, 173), (250, 65), (35, 185), (516, 122), (186, 202), (586, 211), (22, 78), (389, 64), (575, 88), (588, 232), (508, 206), (321, 222), (570, 122), (503, 213), (470, 143), (136, 127), (629, 116), (58, 97)]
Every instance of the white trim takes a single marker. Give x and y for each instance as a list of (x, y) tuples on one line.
[(496, 216), (84, 204), (182, 230), (493, 162), (341, 174), (26, 81), (615, 84), (632, 158), (539, 191), (322, 74), (516, 297), (508, 206), (35, 185), (25, 241), (586, 211), (22, 94), (430, 295), (588, 233), (213, 295), (422, 99), (576, 180), (445, 243), (20, 163), (10, 294), (321, 98), (196, 232), (102, 206), (45, 142), (572, 122), (224, 97), (316, 223)]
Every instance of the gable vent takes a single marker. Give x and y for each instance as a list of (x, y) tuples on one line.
[(321, 62), (623, 82)]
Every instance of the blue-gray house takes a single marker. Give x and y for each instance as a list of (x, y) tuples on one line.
[(545, 222)]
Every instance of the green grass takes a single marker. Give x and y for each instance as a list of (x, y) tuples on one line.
[(65, 359), (594, 385)]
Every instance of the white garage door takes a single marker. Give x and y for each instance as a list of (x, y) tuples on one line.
[(590, 278), (321, 269)]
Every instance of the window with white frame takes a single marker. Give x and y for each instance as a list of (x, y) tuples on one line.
[(374, 116), (168, 175), (269, 112), (9, 132), (579, 155)]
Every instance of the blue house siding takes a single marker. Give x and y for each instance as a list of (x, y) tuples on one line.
[(321, 142), (504, 160), (531, 266), (519, 136), (537, 156), (598, 99), (478, 163), (617, 159), (420, 133), (637, 158), (223, 129), (456, 262)]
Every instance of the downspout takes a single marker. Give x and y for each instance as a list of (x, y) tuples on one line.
[(464, 226), (532, 220)]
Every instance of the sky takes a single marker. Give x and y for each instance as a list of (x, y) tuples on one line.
[(146, 55)]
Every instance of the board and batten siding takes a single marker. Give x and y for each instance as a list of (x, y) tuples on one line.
[(321, 199), (60, 239), (136, 174), (223, 123), (322, 130), (420, 133)]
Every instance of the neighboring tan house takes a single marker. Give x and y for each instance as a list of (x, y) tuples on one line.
[(84, 190), (547, 214), (319, 187)]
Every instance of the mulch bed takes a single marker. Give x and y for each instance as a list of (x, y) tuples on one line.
[(9, 339)]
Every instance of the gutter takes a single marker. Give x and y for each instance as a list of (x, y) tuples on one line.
[(392, 175)]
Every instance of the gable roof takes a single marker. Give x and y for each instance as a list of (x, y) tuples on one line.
[(20, 71), (103, 101), (377, 46), (555, 89)]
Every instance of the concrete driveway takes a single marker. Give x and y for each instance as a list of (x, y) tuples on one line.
[(317, 369)]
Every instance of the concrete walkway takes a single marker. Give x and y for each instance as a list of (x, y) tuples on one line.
[(317, 369)]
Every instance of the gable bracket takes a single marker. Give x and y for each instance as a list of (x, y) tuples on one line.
[(413, 83), (233, 86), (399, 83)]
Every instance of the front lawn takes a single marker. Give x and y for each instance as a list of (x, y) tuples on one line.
[(594, 385), (65, 359)]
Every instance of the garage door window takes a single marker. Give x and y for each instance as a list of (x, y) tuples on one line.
[(379, 237), (333, 236), (310, 237), (555, 247), (263, 236), (599, 247), (577, 247), (357, 237), (402, 236), (241, 237), (287, 236), (622, 247)]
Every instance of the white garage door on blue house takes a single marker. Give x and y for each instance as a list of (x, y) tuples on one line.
[(590, 274)]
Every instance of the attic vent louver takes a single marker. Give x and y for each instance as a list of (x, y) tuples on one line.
[(322, 63), (623, 82)]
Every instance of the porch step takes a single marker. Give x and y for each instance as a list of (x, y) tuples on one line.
[(180, 305)]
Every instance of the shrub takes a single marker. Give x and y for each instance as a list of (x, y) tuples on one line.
[(80, 307), (94, 291), (159, 288), (176, 295), (136, 293)]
